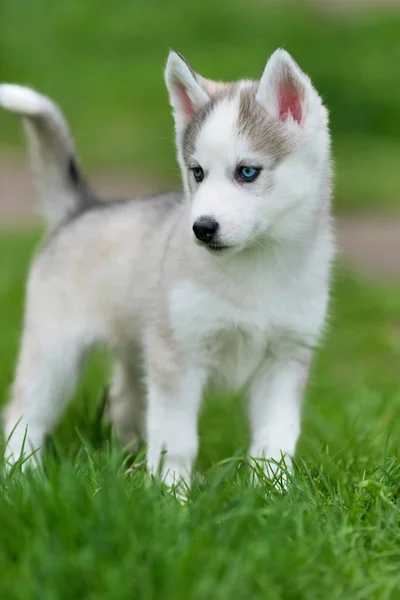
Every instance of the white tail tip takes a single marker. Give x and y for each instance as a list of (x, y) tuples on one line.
[(24, 101)]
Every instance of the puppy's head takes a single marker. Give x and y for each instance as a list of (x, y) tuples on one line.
[(254, 155)]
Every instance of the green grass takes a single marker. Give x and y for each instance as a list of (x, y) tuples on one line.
[(103, 61), (87, 529)]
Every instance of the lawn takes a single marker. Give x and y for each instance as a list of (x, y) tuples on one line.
[(87, 528)]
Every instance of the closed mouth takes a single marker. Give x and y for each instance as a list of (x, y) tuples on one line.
[(213, 246), (218, 247)]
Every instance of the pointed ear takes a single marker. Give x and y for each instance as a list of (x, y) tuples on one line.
[(284, 90), (186, 92)]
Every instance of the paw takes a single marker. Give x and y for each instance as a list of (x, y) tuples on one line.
[(175, 477), (24, 445), (274, 466), (131, 443)]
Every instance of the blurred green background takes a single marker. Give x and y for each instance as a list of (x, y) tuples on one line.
[(103, 63)]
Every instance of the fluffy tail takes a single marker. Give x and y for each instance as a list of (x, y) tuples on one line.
[(62, 189)]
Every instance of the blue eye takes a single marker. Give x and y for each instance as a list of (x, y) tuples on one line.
[(198, 174), (247, 174)]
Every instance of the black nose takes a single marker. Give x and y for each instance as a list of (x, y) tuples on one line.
[(205, 228)]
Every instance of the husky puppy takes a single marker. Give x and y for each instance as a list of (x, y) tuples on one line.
[(226, 284)]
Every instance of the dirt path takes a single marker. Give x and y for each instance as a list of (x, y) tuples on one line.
[(369, 244)]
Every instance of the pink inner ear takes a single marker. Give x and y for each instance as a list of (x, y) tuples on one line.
[(290, 100), (187, 105)]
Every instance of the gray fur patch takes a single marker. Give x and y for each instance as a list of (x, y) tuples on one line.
[(195, 124), (265, 135)]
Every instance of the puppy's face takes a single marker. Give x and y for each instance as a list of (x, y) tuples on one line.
[(252, 153)]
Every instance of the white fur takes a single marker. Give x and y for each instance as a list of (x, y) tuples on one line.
[(22, 101), (134, 278)]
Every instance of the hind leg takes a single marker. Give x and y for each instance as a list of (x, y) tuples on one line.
[(47, 371), (127, 404)]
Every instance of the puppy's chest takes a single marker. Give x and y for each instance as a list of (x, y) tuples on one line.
[(231, 341), (232, 356)]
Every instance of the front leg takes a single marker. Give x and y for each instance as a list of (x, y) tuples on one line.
[(275, 404), (173, 406)]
